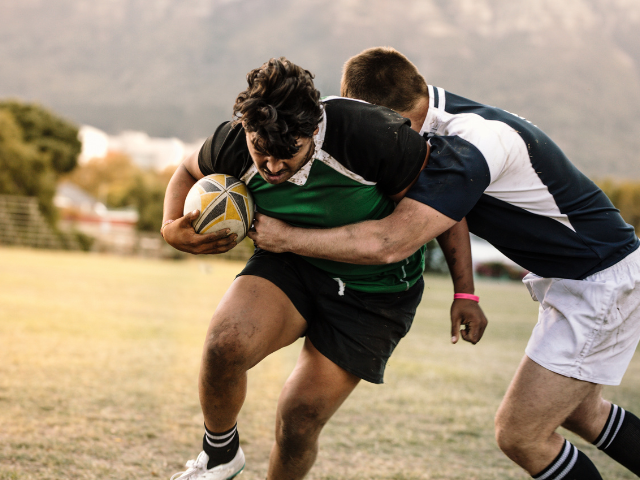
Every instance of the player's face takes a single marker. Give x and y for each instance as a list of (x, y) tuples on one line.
[(277, 170)]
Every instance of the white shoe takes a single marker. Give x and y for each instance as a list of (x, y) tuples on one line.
[(197, 469)]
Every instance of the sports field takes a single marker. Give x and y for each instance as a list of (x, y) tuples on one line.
[(99, 357)]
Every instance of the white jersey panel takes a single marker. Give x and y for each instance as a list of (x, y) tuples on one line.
[(513, 178)]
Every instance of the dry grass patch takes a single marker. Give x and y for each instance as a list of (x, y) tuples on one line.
[(99, 357)]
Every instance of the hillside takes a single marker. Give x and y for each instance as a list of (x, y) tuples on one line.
[(173, 68)]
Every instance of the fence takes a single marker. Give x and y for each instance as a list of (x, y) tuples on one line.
[(22, 224)]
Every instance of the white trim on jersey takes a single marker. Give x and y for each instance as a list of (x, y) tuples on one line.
[(328, 160), (513, 178), (248, 175), (442, 99)]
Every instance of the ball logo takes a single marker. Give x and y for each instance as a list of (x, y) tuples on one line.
[(224, 202)]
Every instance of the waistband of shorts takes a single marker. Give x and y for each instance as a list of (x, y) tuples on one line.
[(631, 260)]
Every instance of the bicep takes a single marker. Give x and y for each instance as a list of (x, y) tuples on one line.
[(411, 225), (454, 179), (191, 165)]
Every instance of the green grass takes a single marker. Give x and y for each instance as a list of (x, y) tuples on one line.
[(99, 357)]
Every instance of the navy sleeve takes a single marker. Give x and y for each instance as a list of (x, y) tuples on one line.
[(455, 177)]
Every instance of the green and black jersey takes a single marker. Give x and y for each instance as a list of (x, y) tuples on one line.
[(363, 153)]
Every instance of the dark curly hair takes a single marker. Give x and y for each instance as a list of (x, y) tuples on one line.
[(280, 105)]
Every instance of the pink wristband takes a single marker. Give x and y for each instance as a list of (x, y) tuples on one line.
[(466, 296)]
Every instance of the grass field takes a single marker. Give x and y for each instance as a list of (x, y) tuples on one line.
[(99, 357)]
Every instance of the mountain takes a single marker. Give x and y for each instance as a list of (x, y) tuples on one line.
[(174, 67)]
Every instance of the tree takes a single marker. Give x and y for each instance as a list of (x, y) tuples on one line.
[(117, 182), (55, 138), (625, 195), (35, 148)]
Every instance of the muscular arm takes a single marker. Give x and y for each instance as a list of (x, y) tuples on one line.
[(456, 248), (180, 233), (374, 242), (389, 240)]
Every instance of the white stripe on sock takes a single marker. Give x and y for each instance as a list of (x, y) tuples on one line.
[(566, 449), (608, 426), (221, 437), (218, 445), (574, 459), (617, 428)]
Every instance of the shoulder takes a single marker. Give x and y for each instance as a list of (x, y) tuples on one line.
[(353, 129), (356, 117), (225, 151), (372, 141)]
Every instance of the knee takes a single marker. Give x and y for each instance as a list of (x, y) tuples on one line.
[(512, 439), (508, 442), (299, 427), (225, 352)]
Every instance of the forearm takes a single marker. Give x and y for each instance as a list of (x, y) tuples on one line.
[(456, 247), (374, 242), (360, 243)]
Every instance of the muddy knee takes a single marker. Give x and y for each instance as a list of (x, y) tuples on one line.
[(225, 353), (299, 427)]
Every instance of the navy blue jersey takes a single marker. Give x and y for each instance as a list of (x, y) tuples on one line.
[(518, 190)]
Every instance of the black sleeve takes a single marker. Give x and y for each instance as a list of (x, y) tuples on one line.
[(374, 142), (455, 178), (225, 152)]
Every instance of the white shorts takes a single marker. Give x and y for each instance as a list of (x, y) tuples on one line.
[(588, 329)]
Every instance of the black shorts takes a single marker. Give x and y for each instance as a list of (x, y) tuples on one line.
[(357, 331)]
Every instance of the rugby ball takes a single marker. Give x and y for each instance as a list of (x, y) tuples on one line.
[(224, 202)]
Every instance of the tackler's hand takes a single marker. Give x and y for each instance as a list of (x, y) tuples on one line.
[(270, 234), (181, 235), (467, 313)]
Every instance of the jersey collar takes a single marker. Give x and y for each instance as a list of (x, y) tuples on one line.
[(437, 102), (302, 175)]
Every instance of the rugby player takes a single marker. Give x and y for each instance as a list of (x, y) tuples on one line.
[(519, 191), (313, 163)]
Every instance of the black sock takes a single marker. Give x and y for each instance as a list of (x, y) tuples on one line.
[(570, 464), (221, 447), (620, 438)]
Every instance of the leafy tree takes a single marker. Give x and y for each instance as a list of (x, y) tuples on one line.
[(148, 197), (23, 169), (35, 148), (54, 137), (109, 179), (625, 195), (117, 182)]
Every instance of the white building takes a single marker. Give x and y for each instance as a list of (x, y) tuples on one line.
[(145, 151)]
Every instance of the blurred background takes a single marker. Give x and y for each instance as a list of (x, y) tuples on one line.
[(101, 99), (145, 82)]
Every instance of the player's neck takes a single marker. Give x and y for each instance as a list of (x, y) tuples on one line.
[(418, 114)]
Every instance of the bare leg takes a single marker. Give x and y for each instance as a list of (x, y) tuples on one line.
[(254, 319), (314, 391), (537, 402), (588, 419)]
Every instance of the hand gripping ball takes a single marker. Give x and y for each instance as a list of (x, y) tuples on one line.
[(224, 202)]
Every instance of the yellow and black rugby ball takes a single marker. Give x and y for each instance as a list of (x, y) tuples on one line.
[(224, 202)]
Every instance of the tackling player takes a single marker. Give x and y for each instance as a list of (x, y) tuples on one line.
[(315, 164), (520, 192)]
